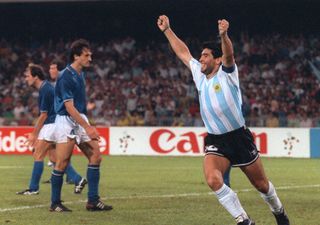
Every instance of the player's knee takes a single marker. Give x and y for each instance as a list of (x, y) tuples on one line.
[(214, 181), (61, 165), (96, 159), (261, 185), (38, 156), (99, 159)]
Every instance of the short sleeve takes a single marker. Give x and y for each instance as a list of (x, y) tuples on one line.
[(44, 105), (232, 74), (66, 86), (197, 75), (46, 96)]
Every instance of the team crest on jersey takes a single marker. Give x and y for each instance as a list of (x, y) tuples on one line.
[(216, 87)]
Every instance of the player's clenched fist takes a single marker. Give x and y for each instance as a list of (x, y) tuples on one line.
[(223, 26), (163, 23)]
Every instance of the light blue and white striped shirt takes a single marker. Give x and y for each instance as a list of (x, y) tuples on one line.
[(220, 98)]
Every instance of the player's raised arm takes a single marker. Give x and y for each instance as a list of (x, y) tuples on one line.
[(178, 46), (226, 44)]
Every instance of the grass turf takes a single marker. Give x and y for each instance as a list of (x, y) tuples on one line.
[(159, 191)]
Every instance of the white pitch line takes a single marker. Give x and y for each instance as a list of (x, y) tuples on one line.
[(14, 167), (286, 187), (157, 196)]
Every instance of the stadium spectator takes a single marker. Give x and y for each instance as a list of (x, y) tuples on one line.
[(272, 120), (261, 57), (18, 110), (23, 120), (305, 121)]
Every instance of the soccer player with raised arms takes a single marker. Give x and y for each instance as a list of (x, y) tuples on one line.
[(229, 141), (72, 127)]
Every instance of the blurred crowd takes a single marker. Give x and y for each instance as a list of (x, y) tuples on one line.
[(144, 84)]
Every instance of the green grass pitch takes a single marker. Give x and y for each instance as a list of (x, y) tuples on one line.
[(159, 191)]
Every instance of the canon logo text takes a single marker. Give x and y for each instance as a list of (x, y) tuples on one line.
[(165, 141)]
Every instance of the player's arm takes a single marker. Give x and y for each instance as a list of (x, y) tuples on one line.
[(74, 113), (226, 44), (178, 46), (33, 136)]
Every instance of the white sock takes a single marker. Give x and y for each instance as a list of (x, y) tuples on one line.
[(229, 200), (272, 199)]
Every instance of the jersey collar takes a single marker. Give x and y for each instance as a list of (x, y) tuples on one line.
[(73, 71)]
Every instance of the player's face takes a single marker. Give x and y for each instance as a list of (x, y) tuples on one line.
[(85, 57), (53, 71), (29, 78), (207, 61)]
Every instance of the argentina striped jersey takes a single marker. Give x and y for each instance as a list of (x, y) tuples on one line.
[(219, 97)]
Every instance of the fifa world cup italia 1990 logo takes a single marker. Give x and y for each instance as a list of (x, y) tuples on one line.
[(124, 141), (289, 143)]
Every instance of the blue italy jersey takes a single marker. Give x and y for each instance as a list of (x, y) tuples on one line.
[(70, 86), (220, 98), (46, 101)]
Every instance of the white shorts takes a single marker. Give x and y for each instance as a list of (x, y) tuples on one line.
[(47, 132), (66, 127)]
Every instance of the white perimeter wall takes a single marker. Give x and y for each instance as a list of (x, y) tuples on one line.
[(188, 141)]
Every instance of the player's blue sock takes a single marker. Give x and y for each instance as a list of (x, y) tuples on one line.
[(56, 186), (72, 174), (36, 175), (93, 176), (226, 177)]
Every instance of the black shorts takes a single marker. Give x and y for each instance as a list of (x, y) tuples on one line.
[(238, 146)]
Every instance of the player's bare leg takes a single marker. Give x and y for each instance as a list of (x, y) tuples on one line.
[(52, 155), (63, 154), (52, 160), (214, 168), (259, 180), (39, 153), (92, 152), (41, 149)]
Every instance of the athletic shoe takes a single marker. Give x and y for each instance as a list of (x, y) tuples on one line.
[(241, 221), (98, 206), (28, 192), (78, 188), (282, 218), (59, 208)]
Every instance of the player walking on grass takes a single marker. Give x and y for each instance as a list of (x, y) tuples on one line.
[(72, 127), (228, 142), (54, 70), (42, 137)]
